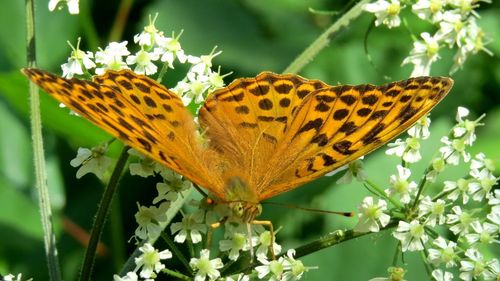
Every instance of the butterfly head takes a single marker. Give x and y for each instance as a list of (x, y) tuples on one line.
[(242, 200)]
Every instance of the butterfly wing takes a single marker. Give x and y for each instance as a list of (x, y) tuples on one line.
[(337, 125), (247, 120), (138, 111), (325, 128)]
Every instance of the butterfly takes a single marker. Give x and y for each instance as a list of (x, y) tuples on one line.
[(254, 139)]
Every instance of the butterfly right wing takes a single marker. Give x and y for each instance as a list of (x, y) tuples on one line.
[(138, 111), (336, 125)]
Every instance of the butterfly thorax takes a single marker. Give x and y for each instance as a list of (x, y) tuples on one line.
[(242, 200)]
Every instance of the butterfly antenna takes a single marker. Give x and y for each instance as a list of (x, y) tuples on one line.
[(290, 206)]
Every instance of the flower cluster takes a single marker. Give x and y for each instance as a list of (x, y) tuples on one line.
[(154, 49), (468, 207), (456, 25)]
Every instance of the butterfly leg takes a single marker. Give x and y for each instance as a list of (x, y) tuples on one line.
[(211, 229), (269, 224)]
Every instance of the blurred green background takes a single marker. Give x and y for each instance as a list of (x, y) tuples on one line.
[(254, 35)]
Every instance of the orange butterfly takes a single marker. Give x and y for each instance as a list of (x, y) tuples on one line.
[(263, 136)]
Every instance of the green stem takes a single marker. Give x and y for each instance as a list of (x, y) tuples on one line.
[(227, 265), (116, 229), (396, 255), (382, 194), (427, 266), (324, 39), (49, 237), (421, 186), (190, 244), (330, 240), (176, 274), (176, 251), (102, 212), (120, 20)]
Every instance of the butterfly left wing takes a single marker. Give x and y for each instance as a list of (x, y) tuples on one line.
[(140, 112)]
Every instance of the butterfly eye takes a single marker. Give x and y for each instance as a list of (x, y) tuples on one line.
[(236, 208)]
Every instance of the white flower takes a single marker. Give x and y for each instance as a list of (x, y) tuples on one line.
[(408, 150), (451, 28), (285, 268), (494, 215), (170, 189), (202, 64), (423, 54), (355, 170), (73, 5), (400, 185), (494, 199), (150, 260), (482, 183), (91, 161), (465, 128), (431, 10), (169, 49), (484, 233), (480, 161), (444, 254), (145, 167), (432, 210), (294, 268), (458, 188), (440, 275), (472, 42), (492, 271), (421, 128), (274, 267), (453, 150), (75, 62), (474, 267), (131, 276), (149, 219), (191, 225), (395, 274), (386, 12), (216, 80), (112, 57), (150, 35), (438, 165), (236, 242), (461, 220), (371, 215), (144, 62), (264, 242), (205, 267), (412, 235), (192, 88)]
